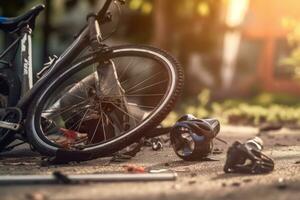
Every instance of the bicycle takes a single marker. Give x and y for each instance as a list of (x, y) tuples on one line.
[(93, 98)]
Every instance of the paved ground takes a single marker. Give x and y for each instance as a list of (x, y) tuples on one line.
[(196, 180)]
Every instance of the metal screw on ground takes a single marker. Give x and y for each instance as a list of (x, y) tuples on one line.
[(156, 144)]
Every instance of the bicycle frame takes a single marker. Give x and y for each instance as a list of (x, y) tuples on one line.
[(81, 42), (66, 58), (26, 60), (89, 38)]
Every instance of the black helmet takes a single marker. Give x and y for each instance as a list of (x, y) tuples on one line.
[(192, 138)]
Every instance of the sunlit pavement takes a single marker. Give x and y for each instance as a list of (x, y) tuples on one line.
[(196, 180)]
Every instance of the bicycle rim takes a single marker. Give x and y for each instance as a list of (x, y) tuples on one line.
[(76, 112)]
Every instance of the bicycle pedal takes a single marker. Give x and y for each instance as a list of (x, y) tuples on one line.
[(10, 126), (11, 119)]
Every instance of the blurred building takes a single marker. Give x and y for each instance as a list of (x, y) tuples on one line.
[(263, 26), (235, 48)]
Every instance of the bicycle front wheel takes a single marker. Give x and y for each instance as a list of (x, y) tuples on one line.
[(105, 102)]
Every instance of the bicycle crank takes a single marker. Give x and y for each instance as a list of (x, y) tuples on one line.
[(10, 126), (10, 120)]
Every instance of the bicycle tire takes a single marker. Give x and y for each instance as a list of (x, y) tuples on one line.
[(33, 127)]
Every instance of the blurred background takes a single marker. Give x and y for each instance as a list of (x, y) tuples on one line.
[(241, 57)]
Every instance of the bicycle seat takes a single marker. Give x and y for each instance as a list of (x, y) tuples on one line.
[(16, 23)]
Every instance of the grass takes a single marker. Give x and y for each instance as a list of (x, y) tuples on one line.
[(264, 108)]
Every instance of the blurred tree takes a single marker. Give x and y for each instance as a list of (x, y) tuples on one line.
[(145, 7), (196, 21), (193, 19), (293, 60), (160, 23), (70, 4), (10, 9), (193, 35), (138, 22), (189, 29)]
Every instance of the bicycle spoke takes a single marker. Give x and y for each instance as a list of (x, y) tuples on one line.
[(75, 125), (65, 109), (133, 104), (109, 120), (129, 115), (141, 89), (144, 81), (141, 106), (126, 68), (47, 132), (81, 120), (98, 123), (136, 95), (103, 128), (73, 114)]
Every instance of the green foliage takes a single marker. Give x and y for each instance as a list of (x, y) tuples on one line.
[(143, 6), (293, 60), (263, 108), (247, 114)]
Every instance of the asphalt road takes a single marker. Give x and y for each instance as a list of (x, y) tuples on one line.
[(196, 180)]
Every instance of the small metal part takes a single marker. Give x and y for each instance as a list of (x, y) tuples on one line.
[(156, 144), (47, 66), (255, 143), (282, 185)]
